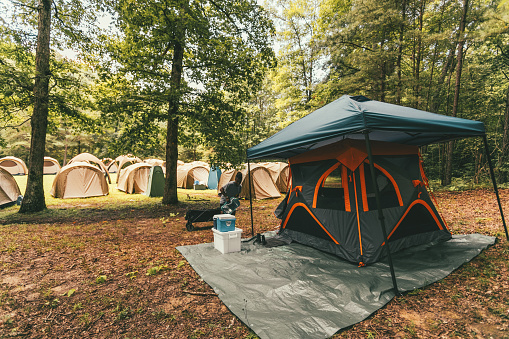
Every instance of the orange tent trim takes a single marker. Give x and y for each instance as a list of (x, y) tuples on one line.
[(418, 201), (357, 209), (322, 180), (344, 180), (398, 193), (363, 189), (310, 213)]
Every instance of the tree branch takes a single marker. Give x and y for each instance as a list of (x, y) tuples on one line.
[(16, 126), (16, 3), (70, 29)]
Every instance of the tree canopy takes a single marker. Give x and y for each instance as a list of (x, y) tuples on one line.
[(208, 79)]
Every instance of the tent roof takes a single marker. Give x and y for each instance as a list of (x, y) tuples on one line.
[(350, 116)]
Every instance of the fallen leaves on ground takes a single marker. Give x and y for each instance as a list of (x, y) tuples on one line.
[(115, 273)]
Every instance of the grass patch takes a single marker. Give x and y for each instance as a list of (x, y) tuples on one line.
[(119, 203)]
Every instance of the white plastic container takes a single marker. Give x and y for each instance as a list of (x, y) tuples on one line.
[(227, 242)]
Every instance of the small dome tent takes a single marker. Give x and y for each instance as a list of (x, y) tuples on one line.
[(263, 187), (91, 159), (107, 162), (51, 166), (279, 172), (9, 190), (14, 166), (226, 177), (157, 162), (134, 178), (124, 161), (188, 173), (79, 180)]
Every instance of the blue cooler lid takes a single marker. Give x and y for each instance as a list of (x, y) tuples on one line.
[(224, 216)]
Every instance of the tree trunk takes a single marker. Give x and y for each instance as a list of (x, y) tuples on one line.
[(459, 65), (170, 185), (33, 200), (434, 62), (383, 67), (437, 97), (65, 153), (419, 57), (400, 51), (502, 175)]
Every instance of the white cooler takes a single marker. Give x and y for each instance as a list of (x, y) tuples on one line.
[(227, 242)]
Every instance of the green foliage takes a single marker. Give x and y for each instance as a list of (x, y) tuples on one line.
[(131, 275), (162, 315), (116, 98), (70, 293), (101, 279), (226, 53), (156, 269), (122, 312)]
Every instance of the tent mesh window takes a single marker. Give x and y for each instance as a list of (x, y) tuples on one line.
[(301, 221), (418, 220), (388, 195), (331, 194)]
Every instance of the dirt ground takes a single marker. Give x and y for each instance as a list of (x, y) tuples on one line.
[(115, 273)]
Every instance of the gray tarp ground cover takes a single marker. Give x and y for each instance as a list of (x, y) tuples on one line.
[(295, 291)]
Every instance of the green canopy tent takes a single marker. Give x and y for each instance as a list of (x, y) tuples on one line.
[(359, 118)]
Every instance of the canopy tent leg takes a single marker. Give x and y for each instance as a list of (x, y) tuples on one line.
[(380, 213), (486, 150), (250, 196)]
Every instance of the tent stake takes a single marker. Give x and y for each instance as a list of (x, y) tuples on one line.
[(495, 184), (380, 213), (250, 196)]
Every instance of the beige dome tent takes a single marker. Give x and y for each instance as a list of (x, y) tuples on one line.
[(226, 177), (51, 166), (113, 167), (123, 161), (154, 162), (91, 159), (79, 180), (263, 186), (188, 173), (14, 166), (134, 178), (157, 162), (110, 164), (9, 190), (279, 172)]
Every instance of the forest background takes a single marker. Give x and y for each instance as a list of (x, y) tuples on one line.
[(210, 79)]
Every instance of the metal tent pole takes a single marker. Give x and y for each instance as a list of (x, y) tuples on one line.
[(380, 213), (495, 184), (250, 195)]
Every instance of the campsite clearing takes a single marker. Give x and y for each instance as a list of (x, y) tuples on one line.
[(107, 267)]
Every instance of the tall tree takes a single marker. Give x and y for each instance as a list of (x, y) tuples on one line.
[(300, 57), (42, 13), (459, 65), (34, 194), (495, 33), (194, 57), (363, 45)]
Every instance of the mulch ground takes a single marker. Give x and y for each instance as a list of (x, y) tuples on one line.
[(104, 273)]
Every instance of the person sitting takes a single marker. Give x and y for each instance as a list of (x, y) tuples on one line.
[(230, 190)]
